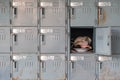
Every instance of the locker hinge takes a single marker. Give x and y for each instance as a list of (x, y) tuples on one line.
[(66, 22), (10, 57), (38, 31), (10, 31)]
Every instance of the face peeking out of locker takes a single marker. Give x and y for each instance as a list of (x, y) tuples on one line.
[(82, 44)]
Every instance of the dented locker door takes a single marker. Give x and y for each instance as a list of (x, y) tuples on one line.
[(52, 67), (83, 13), (4, 13), (110, 69), (52, 40), (24, 39), (4, 39), (103, 41), (83, 67), (108, 12), (5, 67), (25, 67), (52, 13), (115, 40), (24, 13)]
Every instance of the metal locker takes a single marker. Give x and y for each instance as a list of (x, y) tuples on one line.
[(83, 13), (25, 67), (4, 39), (83, 67), (52, 12), (115, 40), (52, 39), (110, 69), (24, 13), (103, 40), (5, 66), (109, 12), (52, 67), (4, 13), (24, 39)]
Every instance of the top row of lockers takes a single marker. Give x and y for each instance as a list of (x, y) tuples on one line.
[(58, 12)]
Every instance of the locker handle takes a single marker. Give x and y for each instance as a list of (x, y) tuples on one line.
[(43, 37), (101, 15), (43, 12), (72, 12), (100, 65), (15, 37), (42, 64), (15, 66), (15, 11), (72, 64)]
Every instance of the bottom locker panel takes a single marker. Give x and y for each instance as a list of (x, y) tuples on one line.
[(83, 67), (110, 69), (5, 67), (52, 67), (25, 67)]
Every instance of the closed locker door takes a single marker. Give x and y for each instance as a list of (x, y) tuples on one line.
[(24, 13), (115, 40), (4, 39), (109, 69), (103, 41), (24, 39), (52, 12), (52, 40), (25, 67), (83, 13), (5, 67), (83, 67), (52, 67), (4, 13), (109, 12)]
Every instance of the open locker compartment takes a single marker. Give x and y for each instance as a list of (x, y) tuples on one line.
[(25, 66), (53, 67), (24, 39), (109, 68), (5, 66), (91, 40), (81, 37), (83, 67)]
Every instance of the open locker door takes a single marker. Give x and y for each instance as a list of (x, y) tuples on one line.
[(103, 41)]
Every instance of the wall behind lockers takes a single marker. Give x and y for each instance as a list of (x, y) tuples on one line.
[(37, 39)]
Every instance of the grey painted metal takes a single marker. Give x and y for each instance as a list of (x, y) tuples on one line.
[(5, 66), (4, 39), (53, 67), (83, 67), (4, 12), (52, 13), (110, 69), (103, 41), (52, 40), (83, 13), (115, 40), (24, 39), (25, 66), (24, 13), (109, 12)]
